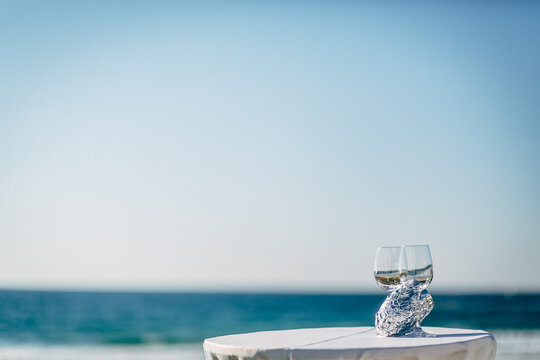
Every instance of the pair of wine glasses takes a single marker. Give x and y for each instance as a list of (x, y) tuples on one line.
[(397, 264)]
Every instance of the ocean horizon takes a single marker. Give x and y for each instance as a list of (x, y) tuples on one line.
[(53, 324)]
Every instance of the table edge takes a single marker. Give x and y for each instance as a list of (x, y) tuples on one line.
[(208, 343)]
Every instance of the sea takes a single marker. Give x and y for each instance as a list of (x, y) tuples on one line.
[(60, 325)]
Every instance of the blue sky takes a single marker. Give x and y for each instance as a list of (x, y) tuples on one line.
[(267, 145)]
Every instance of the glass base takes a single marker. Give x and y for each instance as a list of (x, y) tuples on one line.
[(419, 332)]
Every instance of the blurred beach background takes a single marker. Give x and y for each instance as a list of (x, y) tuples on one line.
[(172, 171), (130, 325)]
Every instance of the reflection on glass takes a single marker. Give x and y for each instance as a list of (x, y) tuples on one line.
[(419, 265), (387, 267)]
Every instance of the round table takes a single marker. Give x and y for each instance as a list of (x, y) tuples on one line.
[(352, 343)]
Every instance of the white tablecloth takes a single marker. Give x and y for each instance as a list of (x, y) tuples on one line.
[(352, 343)]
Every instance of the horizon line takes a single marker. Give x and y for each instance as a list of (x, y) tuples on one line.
[(260, 291)]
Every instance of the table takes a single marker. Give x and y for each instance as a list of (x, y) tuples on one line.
[(352, 343)]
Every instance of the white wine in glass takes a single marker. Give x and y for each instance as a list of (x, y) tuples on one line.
[(387, 269), (419, 264)]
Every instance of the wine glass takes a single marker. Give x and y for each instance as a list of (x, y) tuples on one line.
[(419, 267), (387, 268)]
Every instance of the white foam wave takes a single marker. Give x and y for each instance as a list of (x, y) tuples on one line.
[(517, 345), (100, 352)]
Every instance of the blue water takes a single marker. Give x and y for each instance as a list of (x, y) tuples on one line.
[(35, 319)]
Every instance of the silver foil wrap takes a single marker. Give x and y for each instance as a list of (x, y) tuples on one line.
[(403, 310)]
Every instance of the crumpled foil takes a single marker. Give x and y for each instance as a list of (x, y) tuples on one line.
[(403, 310)]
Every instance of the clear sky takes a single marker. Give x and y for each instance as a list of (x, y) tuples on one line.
[(267, 145)]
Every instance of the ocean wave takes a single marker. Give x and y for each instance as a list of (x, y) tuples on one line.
[(102, 352), (511, 343)]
